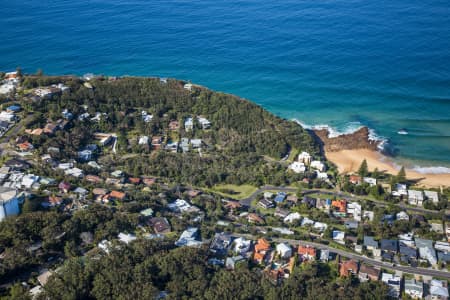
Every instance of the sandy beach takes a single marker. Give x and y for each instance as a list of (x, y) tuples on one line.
[(349, 161)]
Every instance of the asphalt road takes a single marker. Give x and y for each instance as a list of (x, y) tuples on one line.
[(247, 201), (361, 258)]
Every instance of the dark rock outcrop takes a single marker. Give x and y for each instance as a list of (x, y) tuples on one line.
[(356, 140)]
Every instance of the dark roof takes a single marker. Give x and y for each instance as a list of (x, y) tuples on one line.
[(389, 245), (370, 241), (408, 251), (445, 257), (309, 201), (351, 224), (17, 164)]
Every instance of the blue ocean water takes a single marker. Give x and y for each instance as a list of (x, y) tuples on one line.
[(383, 64)]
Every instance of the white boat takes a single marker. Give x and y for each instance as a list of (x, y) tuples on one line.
[(402, 131)]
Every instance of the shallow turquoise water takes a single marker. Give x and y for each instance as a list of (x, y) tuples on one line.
[(383, 64)]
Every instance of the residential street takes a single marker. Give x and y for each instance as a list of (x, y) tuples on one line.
[(385, 265)]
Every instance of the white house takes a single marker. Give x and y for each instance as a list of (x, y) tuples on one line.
[(292, 217), (414, 288), (402, 216), (284, 250), (189, 124), (297, 167), (318, 165), (371, 181), (322, 175), (126, 237), (338, 236), (321, 227), (189, 237), (393, 281), (242, 246), (205, 123), (415, 197), (433, 196), (143, 140), (9, 203), (438, 289), (188, 86), (354, 208), (304, 158), (7, 117), (400, 190)]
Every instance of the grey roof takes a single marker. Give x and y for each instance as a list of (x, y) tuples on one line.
[(6, 193), (389, 245), (369, 241)]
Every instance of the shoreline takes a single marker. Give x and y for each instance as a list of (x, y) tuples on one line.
[(349, 160)]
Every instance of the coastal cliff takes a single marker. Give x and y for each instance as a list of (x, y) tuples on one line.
[(356, 140)]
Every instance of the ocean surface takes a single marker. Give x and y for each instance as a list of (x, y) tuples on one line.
[(344, 64)]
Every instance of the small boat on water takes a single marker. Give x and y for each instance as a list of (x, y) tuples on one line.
[(402, 131)]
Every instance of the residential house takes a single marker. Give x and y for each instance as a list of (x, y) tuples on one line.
[(349, 224), (174, 125), (126, 237), (189, 124), (160, 225), (318, 165), (323, 204), (324, 255), (281, 213), (143, 140), (284, 250), (156, 142), (321, 175), (188, 86), (9, 202), (400, 190), (179, 205), (390, 246), (262, 248), (242, 246), (402, 216), (438, 290), (339, 205), (304, 158), (205, 123), (221, 243), (148, 212), (310, 202), (254, 218), (339, 236), (93, 178), (371, 181), (196, 143), (394, 283), (184, 144), (280, 197), (231, 262), (367, 273), (354, 209), (292, 199), (408, 254), (297, 167), (64, 187), (355, 179), (432, 196), (414, 288), (320, 227), (426, 250), (415, 197), (292, 217), (266, 204), (189, 237), (306, 253), (116, 195), (134, 180), (348, 268)]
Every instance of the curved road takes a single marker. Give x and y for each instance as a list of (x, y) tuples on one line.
[(247, 201), (368, 260)]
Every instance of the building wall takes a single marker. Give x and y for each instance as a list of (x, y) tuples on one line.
[(9, 208)]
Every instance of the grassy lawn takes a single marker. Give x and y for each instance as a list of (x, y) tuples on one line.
[(234, 191)]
